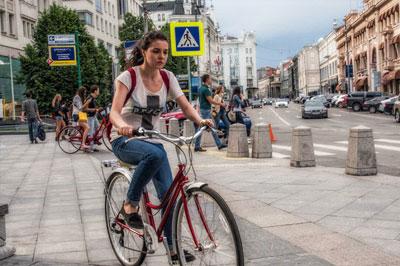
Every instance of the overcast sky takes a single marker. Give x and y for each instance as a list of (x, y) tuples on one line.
[(282, 27)]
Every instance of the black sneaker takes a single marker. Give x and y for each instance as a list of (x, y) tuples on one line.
[(222, 146), (134, 220), (36, 142), (201, 149), (188, 257)]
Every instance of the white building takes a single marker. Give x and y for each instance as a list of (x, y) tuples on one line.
[(239, 62), (328, 60), (308, 70)]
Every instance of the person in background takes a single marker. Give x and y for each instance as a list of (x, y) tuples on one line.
[(30, 110), (220, 110), (76, 108), (237, 105), (205, 101), (58, 114), (90, 106)]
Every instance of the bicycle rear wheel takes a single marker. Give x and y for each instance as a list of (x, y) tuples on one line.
[(129, 247), (70, 139), (106, 139), (214, 227)]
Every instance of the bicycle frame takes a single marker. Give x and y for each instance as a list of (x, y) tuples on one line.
[(176, 189), (104, 125)]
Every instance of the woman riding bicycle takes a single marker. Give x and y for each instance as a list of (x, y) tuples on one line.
[(141, 106)]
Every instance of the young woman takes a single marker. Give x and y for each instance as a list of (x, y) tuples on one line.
[(77, 107), (237, 103), (220, 110), (58, 115), (142, 110)]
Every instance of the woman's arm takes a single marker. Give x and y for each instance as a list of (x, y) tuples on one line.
[(121, 91), (188, 110)]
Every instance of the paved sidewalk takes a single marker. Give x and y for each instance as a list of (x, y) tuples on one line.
[(287, 216)]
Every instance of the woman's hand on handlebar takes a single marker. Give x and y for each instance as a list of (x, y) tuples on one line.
[(126, 131), (206, 122)]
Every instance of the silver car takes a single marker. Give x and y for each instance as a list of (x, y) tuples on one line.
[(314, 109)]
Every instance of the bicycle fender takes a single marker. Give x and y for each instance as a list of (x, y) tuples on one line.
[(195, 185), (122, 171)]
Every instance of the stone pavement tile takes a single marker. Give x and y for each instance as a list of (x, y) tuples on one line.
[(387, 215), (289, 188), (270, 197), (340, 224), (95, 255), (18, 260), (101, 243), (289, 260), (60, 247), (22, 240), (382, 224), (325, 206), (60, 236), (294, 231), (22, 231), (60, 220), (361, 232), (60, 209), (64, 257), (389, 246), (359, 188), (95, 226), (262, 214), (93, 218), (95, 234), (24, 249)]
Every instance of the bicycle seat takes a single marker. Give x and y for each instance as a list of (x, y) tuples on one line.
[(126, 165), (117, 163)]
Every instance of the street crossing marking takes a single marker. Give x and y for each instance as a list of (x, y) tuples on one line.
[(330, 147), (336, 115), (385, 147), (288, 148), (280, 118), (388, 141), (279, 155)]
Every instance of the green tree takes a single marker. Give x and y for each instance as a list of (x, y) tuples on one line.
[(45, 81)]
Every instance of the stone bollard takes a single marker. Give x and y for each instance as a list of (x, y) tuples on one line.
[(188, 128), (163, 125), (207, 139), (302, 148), (237, 141), (5, 251), (361, 157), (261, 143), (173, 127)]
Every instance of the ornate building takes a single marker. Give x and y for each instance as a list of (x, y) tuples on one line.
[(369, 40)]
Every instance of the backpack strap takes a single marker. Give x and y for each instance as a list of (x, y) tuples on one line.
[(164, 76)]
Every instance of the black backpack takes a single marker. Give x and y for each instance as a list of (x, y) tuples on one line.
[(41, 134)]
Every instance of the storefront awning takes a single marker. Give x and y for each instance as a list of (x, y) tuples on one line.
[(396, 39), (389, 76), (361, 82), (339, 87), (381, 46)]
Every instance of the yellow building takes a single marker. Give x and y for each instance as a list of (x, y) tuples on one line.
[(370, 41)]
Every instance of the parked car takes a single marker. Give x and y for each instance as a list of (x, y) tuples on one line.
[(341, 102), (297, 99), (256, 104), (281, 103), (334, 99), (175, 113), (304, 99), (386, 106), (268, 101), (314, 109), (396, 110), (322, 99), (356, 99), (373, 104)]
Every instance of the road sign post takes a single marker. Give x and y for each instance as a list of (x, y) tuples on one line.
[(187, 39), (78, 58)]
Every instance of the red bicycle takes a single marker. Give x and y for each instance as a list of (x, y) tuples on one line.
[(202, 221), (70, 137)]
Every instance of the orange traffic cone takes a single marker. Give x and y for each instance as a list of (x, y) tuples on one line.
[(271, 134)]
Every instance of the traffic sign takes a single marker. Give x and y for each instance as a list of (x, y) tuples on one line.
[(62, 39), (62, 55), (187, 38)]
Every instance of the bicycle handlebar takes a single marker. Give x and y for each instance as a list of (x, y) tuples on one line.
[(179, 140)]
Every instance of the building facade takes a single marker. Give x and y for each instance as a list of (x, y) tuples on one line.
[(239, 63), (294, 78), (284, 78), (369, 41), (328, 63), (308, 70)]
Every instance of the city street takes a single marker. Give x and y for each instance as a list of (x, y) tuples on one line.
[(330, 135)]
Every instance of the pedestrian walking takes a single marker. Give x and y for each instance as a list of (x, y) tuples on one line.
[(237, 104), (90, 106), (141, 93), (205, 101), (58, 114), (77, 106), (30, 111), (220, 111)]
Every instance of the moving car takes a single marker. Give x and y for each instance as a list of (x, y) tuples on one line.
[(256, 104), (281, 103), (373, 104), (314, 109), (268, 101)]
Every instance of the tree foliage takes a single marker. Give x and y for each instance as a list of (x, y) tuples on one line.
[(45, 81), (133, 29)]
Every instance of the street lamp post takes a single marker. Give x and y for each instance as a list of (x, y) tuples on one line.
[(12, 84)]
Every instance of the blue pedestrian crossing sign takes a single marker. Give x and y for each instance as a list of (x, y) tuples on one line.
[(187, 38)]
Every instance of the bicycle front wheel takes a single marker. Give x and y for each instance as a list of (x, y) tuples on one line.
[(214, 227), (70, 139), (128, 246)]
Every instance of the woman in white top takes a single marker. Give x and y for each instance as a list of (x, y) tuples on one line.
[(142, 109)]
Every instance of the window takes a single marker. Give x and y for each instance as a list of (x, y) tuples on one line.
[(24, 29), (163, 17), (106, 26), (97, 22), (250, 50), (113, 11), (2, 21), (159, 17), (109, 8), (247, 50), (105, 6), (115, 32), (98, 6), (236, 50), (86, 18), (102, 25), (11, 24)]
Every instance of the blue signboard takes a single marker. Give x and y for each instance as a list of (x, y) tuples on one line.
[(62, 55), (195, 85), (187, 38)]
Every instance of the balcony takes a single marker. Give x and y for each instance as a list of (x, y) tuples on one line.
[(389, 65)]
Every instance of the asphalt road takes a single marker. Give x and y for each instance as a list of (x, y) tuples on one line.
[(330, 135)]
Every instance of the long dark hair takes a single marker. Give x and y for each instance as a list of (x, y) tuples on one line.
[(136, 58), (81, 93), (236, 91)]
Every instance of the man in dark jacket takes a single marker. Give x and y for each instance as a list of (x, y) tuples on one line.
[(31, 111)]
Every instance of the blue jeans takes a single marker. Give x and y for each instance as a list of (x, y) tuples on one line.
[(221, 116), (152, 164), (93, 125), (206, 114), (32, 126)]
